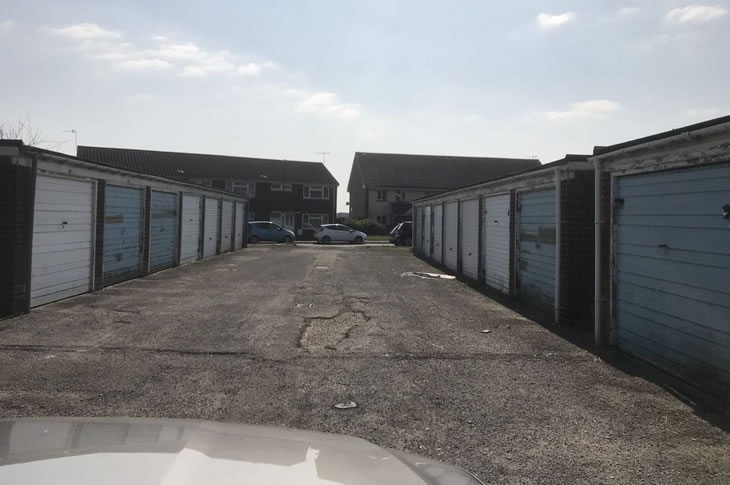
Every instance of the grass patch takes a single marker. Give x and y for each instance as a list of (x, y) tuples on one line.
[(378, 238)]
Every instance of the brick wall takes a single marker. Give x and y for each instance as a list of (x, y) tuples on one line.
[(576, 252), (16, 210)]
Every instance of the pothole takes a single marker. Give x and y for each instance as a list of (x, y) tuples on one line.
[(325, 334)]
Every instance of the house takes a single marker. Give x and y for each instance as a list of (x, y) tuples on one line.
[(296, 195), (383, 185)]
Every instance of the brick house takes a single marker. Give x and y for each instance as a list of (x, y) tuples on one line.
[(382, 186), (296, 195)]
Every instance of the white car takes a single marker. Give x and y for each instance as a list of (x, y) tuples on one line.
[(327, 233)]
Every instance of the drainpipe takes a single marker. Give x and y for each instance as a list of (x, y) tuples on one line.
[(597, 252), (558, 223)]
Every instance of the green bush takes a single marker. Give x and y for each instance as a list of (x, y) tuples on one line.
[(368, 226)]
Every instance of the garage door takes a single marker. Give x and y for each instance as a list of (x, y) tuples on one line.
[(451, 235), (672, 255), (190, 236), (470, 238), (123, 232), (496, 242), (210, 238), (438, 212), (537, 249), (238, 238), (62, 239), (227, 226), (419, 230), (427, 231), (163, 228)]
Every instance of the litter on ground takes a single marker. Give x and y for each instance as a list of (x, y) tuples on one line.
[(426, 276)]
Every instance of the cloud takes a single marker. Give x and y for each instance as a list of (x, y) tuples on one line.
[(328, 105), (597, 109), (694, 14), (85, 31), (627, 11), (6, 26), (142, 65), (547, 21), (250, 69), (705, 113)]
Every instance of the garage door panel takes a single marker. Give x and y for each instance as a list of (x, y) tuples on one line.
[(690, 274), (438, 213), (677, 255), (497, 241), (123, 229), (60, 292), (689, 222), (238, 238), (700, 179), (163, 229), (191, 225), (681, 204), (537, 248), (427, 230), (211, 224), (227, 226), (451, 235), (711, 240), (470, 238), (713, 296), (70, 256)]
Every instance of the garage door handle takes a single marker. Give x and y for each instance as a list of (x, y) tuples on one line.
[(663, 246), (64, 222), (726, 211)]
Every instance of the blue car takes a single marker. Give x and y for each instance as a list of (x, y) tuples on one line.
[(268, 231)]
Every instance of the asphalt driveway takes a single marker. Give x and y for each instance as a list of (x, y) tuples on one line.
[(277, 335)]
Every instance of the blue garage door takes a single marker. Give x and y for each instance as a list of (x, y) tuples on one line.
[(123, 221), (163, 228), (536, 284), (672, 255)]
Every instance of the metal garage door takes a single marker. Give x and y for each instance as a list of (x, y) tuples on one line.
[(62, 239), (438, 211), (470, 238), (672, 258), (418, 240), (238, 239), (190, 237), (427, 231), (163, 228), (210, 238), (496, 242), (451, 235), (227, 226), (537, 249), (123, 233)]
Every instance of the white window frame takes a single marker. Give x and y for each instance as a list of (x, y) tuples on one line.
[(307, 220), (249, 186), (325, 192), (400, 195), (280, 187), (381, 195)]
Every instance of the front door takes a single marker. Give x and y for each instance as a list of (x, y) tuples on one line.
[(284, 219)]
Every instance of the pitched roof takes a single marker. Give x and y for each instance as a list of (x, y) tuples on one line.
[(202, 166), (430, 171)]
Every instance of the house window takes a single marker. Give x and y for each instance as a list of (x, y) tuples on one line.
[(400, 195), (281, 187), (381, 194), (382, 220), (243, 188), (316, 192), (310, 221)]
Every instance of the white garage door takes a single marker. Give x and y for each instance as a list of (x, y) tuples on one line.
[(190, 235), (418, 241), (62, 239), (210, 238), (451, 235), (438, 211), (238, 239), (427, 231), (227, 226), (496, 242), (470, 238)]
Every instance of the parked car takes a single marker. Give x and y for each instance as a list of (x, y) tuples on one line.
[(402, 234), (338, 232), (268, 231)]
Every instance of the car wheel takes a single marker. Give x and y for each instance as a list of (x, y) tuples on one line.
[(253, 239), (358, 240), (326, 240), (287, 239)]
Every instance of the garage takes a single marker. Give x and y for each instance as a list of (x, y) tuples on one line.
[(227, 226), (418, 241), (496, 242), (470, 238), (62, 239), (123, 233), (238, 238), (451, 235), (190, 229), (427, 230), (211, 225), (163, 228), (672, 278), (438, 233), (536, 259)]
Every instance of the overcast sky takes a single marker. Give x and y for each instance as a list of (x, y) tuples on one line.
[(286, 79)]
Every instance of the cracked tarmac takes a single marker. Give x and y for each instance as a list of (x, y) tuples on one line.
[(277, 335)]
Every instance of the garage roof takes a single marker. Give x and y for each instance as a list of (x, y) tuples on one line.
[(204, 166)]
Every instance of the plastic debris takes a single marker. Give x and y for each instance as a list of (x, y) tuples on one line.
[(346, 405), (486, 331), (425, 276)]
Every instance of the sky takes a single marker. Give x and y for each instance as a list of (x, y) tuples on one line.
[(288, 79)]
